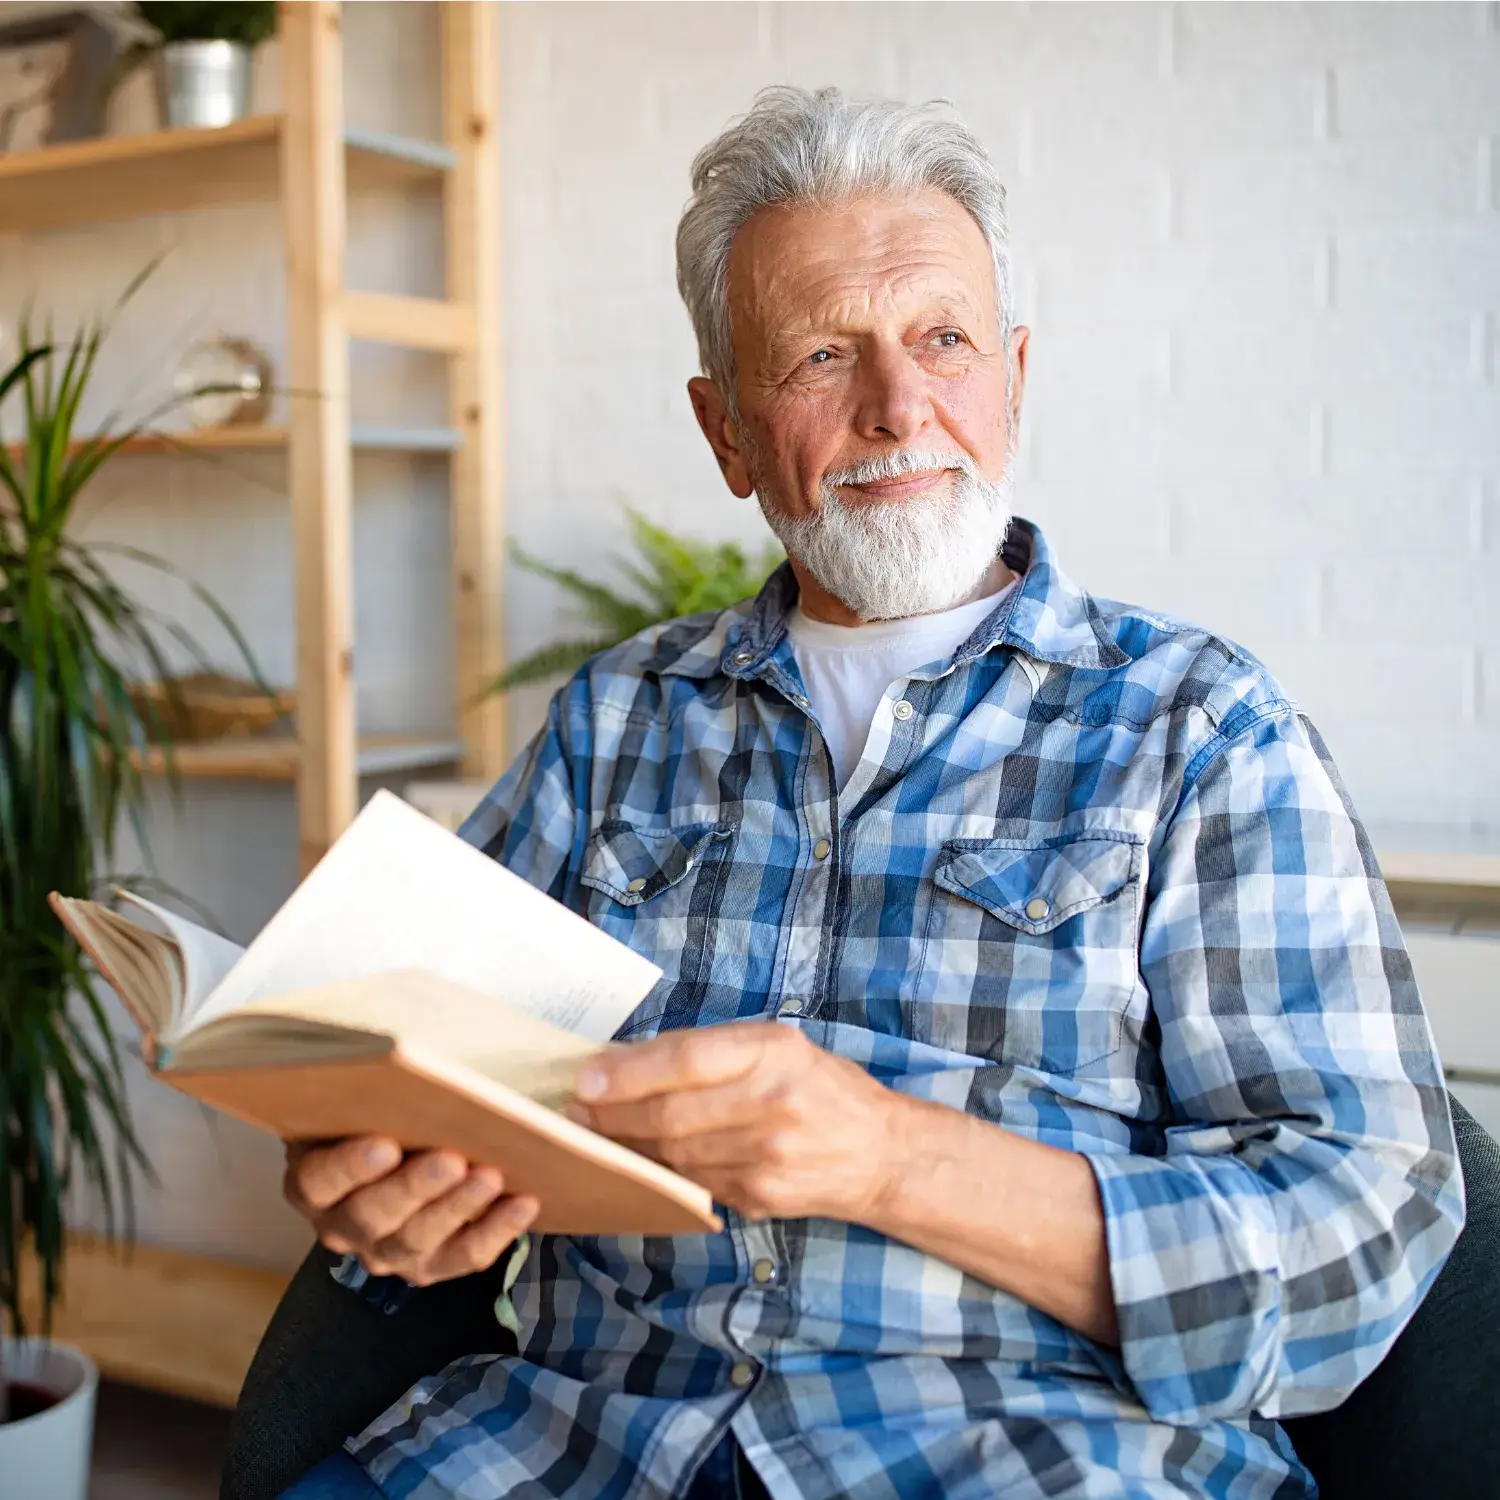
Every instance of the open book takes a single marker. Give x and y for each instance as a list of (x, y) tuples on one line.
[(409, 987)]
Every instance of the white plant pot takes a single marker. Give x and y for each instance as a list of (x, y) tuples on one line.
[(204, 83), (46, 1457)]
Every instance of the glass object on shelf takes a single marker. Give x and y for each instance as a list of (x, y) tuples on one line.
[(224, 382)]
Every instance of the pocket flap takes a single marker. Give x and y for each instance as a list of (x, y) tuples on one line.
[(632, 864), (1034, 887)]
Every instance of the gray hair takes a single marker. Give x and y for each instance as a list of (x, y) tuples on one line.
[(800, 147)]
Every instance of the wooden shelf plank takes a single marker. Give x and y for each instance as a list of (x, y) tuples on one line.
[(278, 757), (166, 171), (411, 322), (371, 438), (379, 755), (386, 150), (1437, 854), (368, 437), (1433, 871), (173, 1321), (129, 176), (1441, 867), (206, 440)]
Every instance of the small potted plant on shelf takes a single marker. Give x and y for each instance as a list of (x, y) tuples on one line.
[(204, 55), (72, 738), (671, 575)]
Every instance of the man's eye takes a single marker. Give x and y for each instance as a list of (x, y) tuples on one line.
[(820, 357), (949, 338)]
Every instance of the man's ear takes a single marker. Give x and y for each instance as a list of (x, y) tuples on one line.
[(723, 434), (1020, 346)]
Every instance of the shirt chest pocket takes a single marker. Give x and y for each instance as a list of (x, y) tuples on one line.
[(657, 889), (1030, 956)]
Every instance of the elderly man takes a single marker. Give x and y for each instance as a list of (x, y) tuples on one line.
[(1031, 998)]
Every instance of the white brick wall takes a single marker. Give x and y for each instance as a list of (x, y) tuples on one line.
[(1259, 249)]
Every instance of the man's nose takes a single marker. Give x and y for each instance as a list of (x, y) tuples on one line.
[(893, 397)]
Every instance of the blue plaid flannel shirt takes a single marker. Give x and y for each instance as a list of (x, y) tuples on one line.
[(1102, 887)]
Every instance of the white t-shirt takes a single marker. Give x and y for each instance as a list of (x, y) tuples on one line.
[(846, 669)]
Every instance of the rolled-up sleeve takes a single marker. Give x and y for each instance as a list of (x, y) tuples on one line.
[(1305, 1190)]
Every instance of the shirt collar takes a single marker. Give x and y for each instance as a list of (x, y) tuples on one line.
[(1048, 618)]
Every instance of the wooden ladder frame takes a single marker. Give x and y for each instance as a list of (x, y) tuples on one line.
[(323, 315)]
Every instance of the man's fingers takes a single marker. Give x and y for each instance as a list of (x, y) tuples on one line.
[(679, 1060), (675, 1116), (371, 1213), (444, 1217), (319, 1176), (480, 1245), (718, 1149)]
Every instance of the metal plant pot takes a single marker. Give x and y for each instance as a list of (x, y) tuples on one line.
[(204, 83), (46, 1456)]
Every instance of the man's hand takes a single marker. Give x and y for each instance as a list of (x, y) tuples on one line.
[(779, 1128), (429, 1218), (769, 1123)]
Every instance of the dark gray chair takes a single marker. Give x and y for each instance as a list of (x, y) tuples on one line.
[(1427, 1422)]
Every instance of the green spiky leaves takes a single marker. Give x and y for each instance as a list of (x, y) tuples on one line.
[(71, 737), (671, 577)]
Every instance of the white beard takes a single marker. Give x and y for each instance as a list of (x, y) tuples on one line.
[(888, 560)]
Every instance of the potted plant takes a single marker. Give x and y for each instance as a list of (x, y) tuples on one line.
[(71, 737), (671, 575), (203, 56)]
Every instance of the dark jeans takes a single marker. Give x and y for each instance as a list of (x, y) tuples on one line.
[(724, 1475), (336, 1478)]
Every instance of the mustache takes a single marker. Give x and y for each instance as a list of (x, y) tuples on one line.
[(898, 465)]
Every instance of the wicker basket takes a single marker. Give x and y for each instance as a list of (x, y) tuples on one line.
[(211, 705)]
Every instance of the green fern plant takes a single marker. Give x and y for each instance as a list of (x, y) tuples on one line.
[(72, 739), (671, 575)]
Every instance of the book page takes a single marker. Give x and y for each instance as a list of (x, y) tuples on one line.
[(398, 892), (417, 1011), (205, 957), (141, 965)]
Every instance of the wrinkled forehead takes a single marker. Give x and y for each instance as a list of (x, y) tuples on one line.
[(856, 265)]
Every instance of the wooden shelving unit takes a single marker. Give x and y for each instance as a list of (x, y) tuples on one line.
[(183, 1322), (307, 160)]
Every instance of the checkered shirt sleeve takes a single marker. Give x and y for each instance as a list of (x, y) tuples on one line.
[(1301, 1196)]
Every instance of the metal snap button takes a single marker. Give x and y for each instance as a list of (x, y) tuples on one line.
[(1037, 908), (822, 849), (637, 885), (743, 658), (741, 1374), (763, 1272), (792, 1007), (902, 709)]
